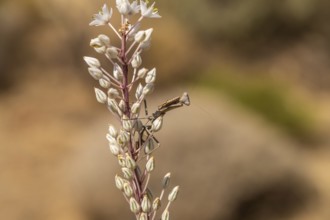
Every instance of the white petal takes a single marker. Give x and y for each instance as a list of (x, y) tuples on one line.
[(151, 76), (92, 62), (157, 124), (117, 72), (143, 7), (105, 9), (101, 97), (148, 34), (96, 73), (102, 17), (139, 91)]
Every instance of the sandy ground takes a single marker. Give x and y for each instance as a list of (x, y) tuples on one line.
[(230, 164)]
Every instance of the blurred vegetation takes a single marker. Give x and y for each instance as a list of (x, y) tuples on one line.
[(269, 99), (238, 19)]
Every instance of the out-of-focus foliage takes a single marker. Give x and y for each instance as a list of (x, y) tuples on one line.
[(241, 19), (268, 98)]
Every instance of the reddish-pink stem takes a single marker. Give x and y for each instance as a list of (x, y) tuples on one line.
[(137, 182)]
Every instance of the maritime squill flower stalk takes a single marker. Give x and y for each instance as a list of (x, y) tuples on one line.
[(134, 143)]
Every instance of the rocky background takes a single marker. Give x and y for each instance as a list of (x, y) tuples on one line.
[(253, 145)]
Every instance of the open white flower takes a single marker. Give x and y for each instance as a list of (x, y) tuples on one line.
[(103, 17), (125, 8), (150, 12)]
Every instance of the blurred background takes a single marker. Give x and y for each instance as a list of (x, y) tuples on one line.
[(253, 145)]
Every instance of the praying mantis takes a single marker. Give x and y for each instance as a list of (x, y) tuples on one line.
[(146, 135)]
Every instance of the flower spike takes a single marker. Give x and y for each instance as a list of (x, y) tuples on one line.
[(124, 92)]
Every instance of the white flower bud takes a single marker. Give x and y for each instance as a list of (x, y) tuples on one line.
[(104, 39), (123, 7), (173, 194), (135, 108), (113, 93), (150, 146), (165, 215), (112, 131), (149, 88), (156, 204), (125, 135), (134, 205), (95, 42), (113, 106), (150, 165), (151, 76), (123, 138), (114, 149), (166, 180), (130, 163), (121, 160), (148, 34), (101, 97), (117, 72), (137, 61), (111, 139), (127, 123), (98, 45), (157, 124), (140, 36), (96, 73), (119, 182), (92, 62), (105, 83), (147, 40), (112, 52), (128, 189), (143, 216), (128, 174), (139, 91), (145, 204), (141, 73)]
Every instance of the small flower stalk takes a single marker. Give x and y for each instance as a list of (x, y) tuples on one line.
[(124, 91)]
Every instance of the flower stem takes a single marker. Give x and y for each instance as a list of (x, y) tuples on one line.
[(127, 111), (114, 29)]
